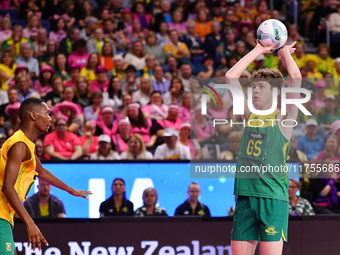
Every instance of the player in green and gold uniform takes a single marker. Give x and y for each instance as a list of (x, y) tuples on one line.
[(19, 168), (262, 206)]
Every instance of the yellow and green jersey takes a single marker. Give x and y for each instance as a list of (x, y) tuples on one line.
[(26, 175), (261, 148)]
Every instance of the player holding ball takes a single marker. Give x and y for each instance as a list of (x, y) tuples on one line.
[(262, 208)]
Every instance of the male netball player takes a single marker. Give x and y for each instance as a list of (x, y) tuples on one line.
[(262, 207), (19, 167)]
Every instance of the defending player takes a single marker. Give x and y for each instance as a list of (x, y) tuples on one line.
[(262, 207), (18, 169)]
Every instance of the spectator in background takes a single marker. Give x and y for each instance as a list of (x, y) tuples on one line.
[(82, 92), (319, 102), (234, 140), (325, 62), (89, 72), (62, 144), (298, 206), (117, 204), (159, 83), (5, 25), (7, 69), (331, 151), (79, 56), (123, 135), (13, 124), (306, 83), (93, 112), (192, 206), (293, 34), (104, 124), (26, 58), (101, 83), (74, 121), (89, 141), (176, 48), (95, 44), (172, 149), (87, 32), (184, 110), (299, 54), (61, 67), (58, 32), (228, 46), (55, 96), (122, 111), (69, 44), (175, 93), (201, 127), (129, 83), (213, 41), (192, 41), (294, 154), (12, 98), (153, 48), (335, 128), (74, 72), (191, 144), (172, 121), (114, 95), (162, 17), (117, 69), (50, 54), (311, 144), (313, 73), (203, 25), (43, 204), (330, 113), (104, 151), (44, 84), (334, 28), (39, 150), (173, 70), (177, 22), (136, 56), (22, 83), (155, 109), (149, 207), (106, 58), (325, 196), (142, 96), (136, 149), (13, 43), (140, 15)]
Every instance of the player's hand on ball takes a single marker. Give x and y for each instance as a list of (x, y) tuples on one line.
[(265, 49), (288, 48), (34, 236), (80, 193)]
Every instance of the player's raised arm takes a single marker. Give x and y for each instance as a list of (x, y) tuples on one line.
[(295, 78), (53, 180), (16, 155), (237, 70)]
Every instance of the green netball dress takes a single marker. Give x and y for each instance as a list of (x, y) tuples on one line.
[(262, 207)]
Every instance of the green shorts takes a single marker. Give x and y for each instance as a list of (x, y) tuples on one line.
[(6, 238), (260, 219)]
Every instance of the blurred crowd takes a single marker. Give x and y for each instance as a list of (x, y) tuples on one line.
[(117, 75)]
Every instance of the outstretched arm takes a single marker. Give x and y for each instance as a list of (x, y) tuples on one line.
[(237, 70), (53, 180), (16, 155)]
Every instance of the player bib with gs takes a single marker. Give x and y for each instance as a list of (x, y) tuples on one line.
[(26, 176), (261, 159)]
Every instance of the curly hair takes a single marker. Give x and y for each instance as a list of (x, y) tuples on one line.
[(272, 76)]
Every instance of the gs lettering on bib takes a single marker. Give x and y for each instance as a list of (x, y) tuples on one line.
[(255, 145)]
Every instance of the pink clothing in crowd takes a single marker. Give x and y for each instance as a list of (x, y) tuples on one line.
[(106, 130), (11, 85), (155, 111), (69, 83), (120, 144), (93, 147), (79, 60), (171, 124), (181, 27), (318, 103), (144, 132), (322, 156), (38, 88), (219, 114), (65, 146), (208, 131), (184, 114), (95, 86), (57, 36), (5, 34)]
